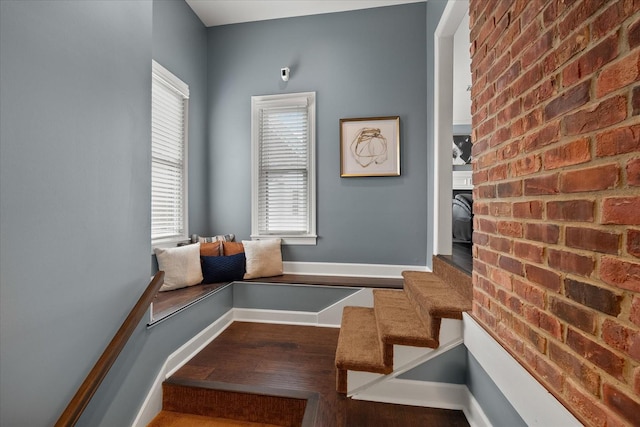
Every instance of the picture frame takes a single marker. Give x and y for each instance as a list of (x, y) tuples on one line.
[(370, 146), (462, 149)]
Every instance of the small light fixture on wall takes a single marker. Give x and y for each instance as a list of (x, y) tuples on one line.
[(284, 73)]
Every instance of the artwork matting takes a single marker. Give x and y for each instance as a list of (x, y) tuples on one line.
[(370, 146)]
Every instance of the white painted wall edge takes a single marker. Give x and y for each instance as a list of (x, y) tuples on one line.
[(348, 269), (152, 404), (428, 394), (529, 398)]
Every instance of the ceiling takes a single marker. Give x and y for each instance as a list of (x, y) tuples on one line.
[(222, 12)]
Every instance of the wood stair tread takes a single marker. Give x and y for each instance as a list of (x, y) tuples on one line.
[(359, 347), (398, 322), (431, 295), (181, 419)]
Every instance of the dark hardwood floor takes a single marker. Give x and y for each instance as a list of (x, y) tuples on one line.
[(301, 358)]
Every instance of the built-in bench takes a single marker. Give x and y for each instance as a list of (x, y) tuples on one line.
[(168, 303)]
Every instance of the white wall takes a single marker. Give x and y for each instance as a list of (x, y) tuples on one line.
[(461, 74)]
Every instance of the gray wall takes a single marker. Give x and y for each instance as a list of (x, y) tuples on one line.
[(75, 79), (180, 45), (361, 64)]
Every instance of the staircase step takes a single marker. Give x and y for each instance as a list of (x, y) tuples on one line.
[(432, 296), (399, 323), (359, 347), (181, 419)]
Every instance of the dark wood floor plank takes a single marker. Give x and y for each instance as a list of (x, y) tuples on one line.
[(301, 358)]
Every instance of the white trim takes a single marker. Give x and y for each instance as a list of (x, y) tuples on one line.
[(332, 315), (529, 398), (167, 77), (348, 269), (152, 404), (285, 317), (443, 122), (428, 394)]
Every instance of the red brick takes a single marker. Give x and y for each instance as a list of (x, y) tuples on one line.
[(570, 47), (500, 136), (509, 112), (622, 338), (619, 273), (511, 264), (608, 112), (509, 151), (529, 293), (488, 256), (510, 189), (532, 120), (592, 60), (480, 177), (633, 242), (545, 136), (551, 324), (576, 367), (500, 244), (501, 278), (571, 99), (621, 210), (596, 354), (538, 49), (528, 251), (508, 77), (635, 101), (526, 81), (574, 314), (499, 172), (621, 403), (544, 277), (634, 34), (541, 185), (592, 296), (527, 165), (528, 210), (573, 153), (570, 262), (585, 405), (570, 210), (498, 209), (485, 128), (592, 240), (591, 179), (636, 381), (485, 192), (576, 15), (486, 225), (498, 66), (529, 32), (512, 32), (633, 172), (480, 208), (622, 140), (549, 373), (510, 228), (480, 238), (540, 93), (611, 18), (530, 334), (546, 233), (619, 74), (486, 159)]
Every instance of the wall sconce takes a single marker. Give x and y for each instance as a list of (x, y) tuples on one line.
[(284, 73)]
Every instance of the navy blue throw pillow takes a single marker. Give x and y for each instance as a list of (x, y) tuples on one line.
[(216, 269)]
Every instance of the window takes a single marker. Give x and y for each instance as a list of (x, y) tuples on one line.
[(283, 167), (169, 106)]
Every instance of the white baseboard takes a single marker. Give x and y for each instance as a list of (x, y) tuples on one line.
[(152, 404), (332, 315), (348, 269), (275, 316), (428, 394), (529, 398)]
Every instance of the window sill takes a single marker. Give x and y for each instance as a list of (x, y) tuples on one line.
[(309, 240)]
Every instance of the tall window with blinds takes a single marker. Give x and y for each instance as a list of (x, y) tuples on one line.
[(283, 173), (169, 107)]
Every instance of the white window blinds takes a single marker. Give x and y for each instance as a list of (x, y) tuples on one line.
[(169, 104), (283, 148)]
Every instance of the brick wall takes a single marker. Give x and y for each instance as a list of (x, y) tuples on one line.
[(556, 126)]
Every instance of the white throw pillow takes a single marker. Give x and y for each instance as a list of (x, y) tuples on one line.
[(264, 258), (181, 266)]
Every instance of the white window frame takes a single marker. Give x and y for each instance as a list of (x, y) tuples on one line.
[(169, 80), (259, 103)]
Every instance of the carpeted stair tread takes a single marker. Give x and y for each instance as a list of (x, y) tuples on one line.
[(398, 322), (430, 295), (181, 419), (359, 348)]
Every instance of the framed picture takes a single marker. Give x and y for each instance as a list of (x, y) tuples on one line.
[(370, 146), (461, 149)]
